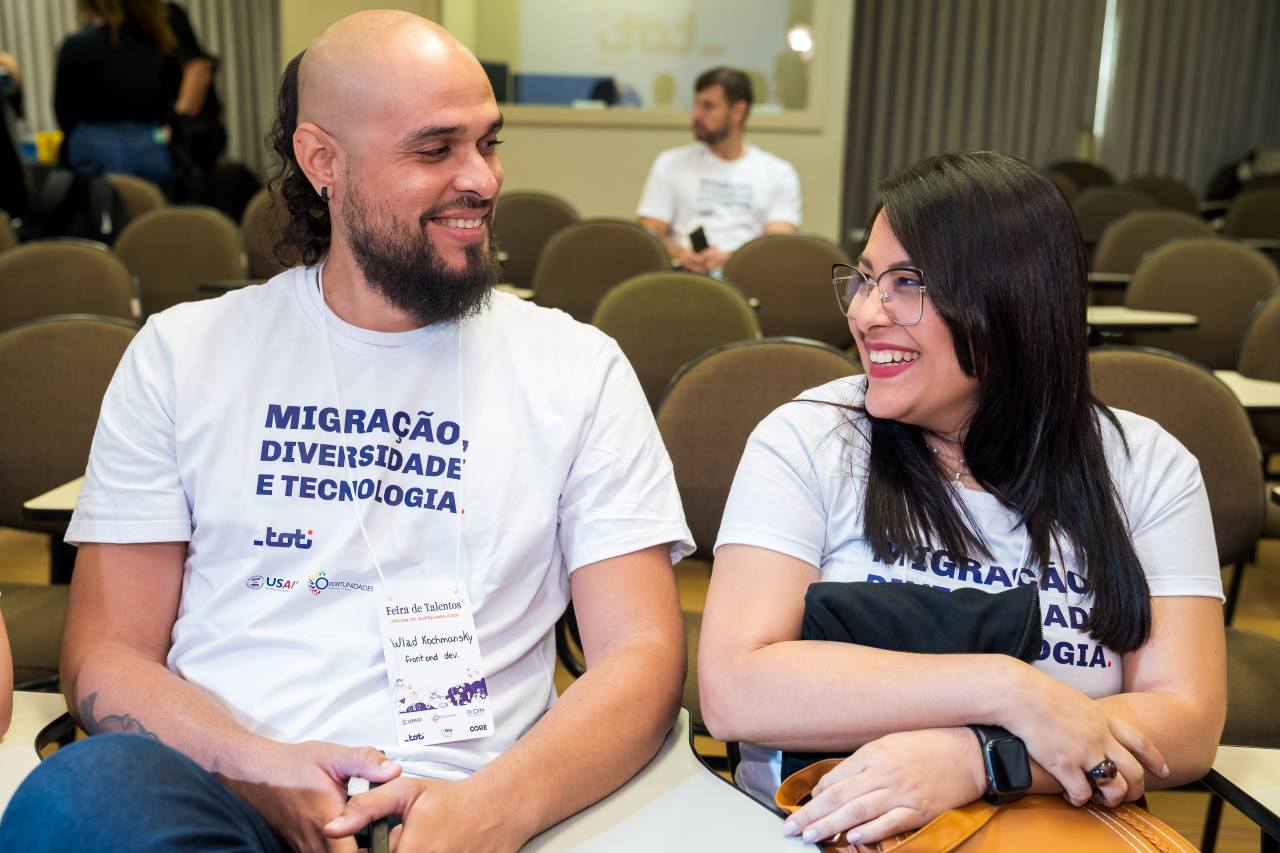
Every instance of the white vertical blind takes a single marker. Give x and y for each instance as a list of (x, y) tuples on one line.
[(1197, 84), (1011, 75)]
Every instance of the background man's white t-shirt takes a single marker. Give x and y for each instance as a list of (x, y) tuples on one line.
[(222, 423), (799, 491), (732, 200)]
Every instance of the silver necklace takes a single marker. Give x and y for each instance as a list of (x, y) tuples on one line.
[(959, 472)]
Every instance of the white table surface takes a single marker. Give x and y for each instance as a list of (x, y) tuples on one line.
[(1256, 395), (673, 804), (57, 501), (1256, 772), (31, 713), (1119, 317)]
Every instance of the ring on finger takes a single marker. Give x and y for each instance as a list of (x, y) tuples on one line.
[(1102, 772)]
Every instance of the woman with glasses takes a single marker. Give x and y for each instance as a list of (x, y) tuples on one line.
[(971, 454)]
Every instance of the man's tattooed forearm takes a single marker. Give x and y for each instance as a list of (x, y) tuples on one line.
[(110, 723)]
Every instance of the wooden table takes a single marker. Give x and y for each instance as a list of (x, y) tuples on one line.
[(1117, 318), (1256, 395), (1248, 778), (55, 504), (18, 757), (674, 803)]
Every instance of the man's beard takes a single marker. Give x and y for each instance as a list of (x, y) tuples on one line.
[(405, 268), (710, 135)]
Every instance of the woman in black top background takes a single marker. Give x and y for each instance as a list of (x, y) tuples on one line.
[(114, 89)]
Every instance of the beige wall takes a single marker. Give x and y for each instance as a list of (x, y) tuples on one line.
[(303, 20), (600, 169)]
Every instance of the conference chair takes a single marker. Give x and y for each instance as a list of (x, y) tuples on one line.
[(1219, 281), (523, 223), (706, 415), (1260, 359), (174, 249), (1098, 207), (790, 275), (1205, 416), (1169, 193), (662, 320), (1084, 175), (1065, 185), (1254, 214), (1127, 239), (64, 276), (581, 262), (53, 374), (263, 222), (8, 236), (138, 195)]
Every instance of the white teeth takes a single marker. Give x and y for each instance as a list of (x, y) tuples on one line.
[(462, 223), (892, 356)]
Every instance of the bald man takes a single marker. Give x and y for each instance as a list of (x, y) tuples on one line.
[(329, 522)]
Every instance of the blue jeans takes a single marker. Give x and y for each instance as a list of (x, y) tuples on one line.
[(120, 146), (119, 792)]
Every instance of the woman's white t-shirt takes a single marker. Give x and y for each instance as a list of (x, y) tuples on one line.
[(799, 491)]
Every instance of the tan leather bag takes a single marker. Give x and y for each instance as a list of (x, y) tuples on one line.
[(1042, 823)]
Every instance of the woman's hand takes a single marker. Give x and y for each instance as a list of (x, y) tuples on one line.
[(894, 784), (1067, 733)]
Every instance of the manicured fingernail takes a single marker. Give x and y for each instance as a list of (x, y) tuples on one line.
[(334, 824), (388, 766), (810, 835), (1164, 772), (790, 828), (853, 837)]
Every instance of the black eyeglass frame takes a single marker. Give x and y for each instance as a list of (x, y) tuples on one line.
[(836, 269)]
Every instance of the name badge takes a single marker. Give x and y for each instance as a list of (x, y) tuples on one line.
[(438, 688)]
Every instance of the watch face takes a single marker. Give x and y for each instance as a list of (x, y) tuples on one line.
[(1010, 768)]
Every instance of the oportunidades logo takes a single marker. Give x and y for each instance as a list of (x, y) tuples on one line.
[(318, 583)]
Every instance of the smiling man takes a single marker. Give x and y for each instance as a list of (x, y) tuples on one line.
[(329, 522), (731, 191)]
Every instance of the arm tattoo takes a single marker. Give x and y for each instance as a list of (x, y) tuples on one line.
[(111, 723)]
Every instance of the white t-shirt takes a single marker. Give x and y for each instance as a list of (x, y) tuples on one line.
[(222, 421), (799, 491), (732, 200)]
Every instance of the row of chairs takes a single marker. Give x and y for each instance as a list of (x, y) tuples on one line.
[(1252, 215), (159, 259)]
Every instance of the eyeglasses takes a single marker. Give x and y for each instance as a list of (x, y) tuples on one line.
[(901, 291)]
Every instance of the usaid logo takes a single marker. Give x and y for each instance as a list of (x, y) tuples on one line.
[(271, 582)]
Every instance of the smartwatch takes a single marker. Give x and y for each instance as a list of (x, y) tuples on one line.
[(1005, 758)]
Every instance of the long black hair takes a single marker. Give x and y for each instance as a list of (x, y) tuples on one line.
[(305, 237), (1007, 272)]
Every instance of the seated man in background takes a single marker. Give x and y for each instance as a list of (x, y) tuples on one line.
[(329, 522), (730, 190)]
